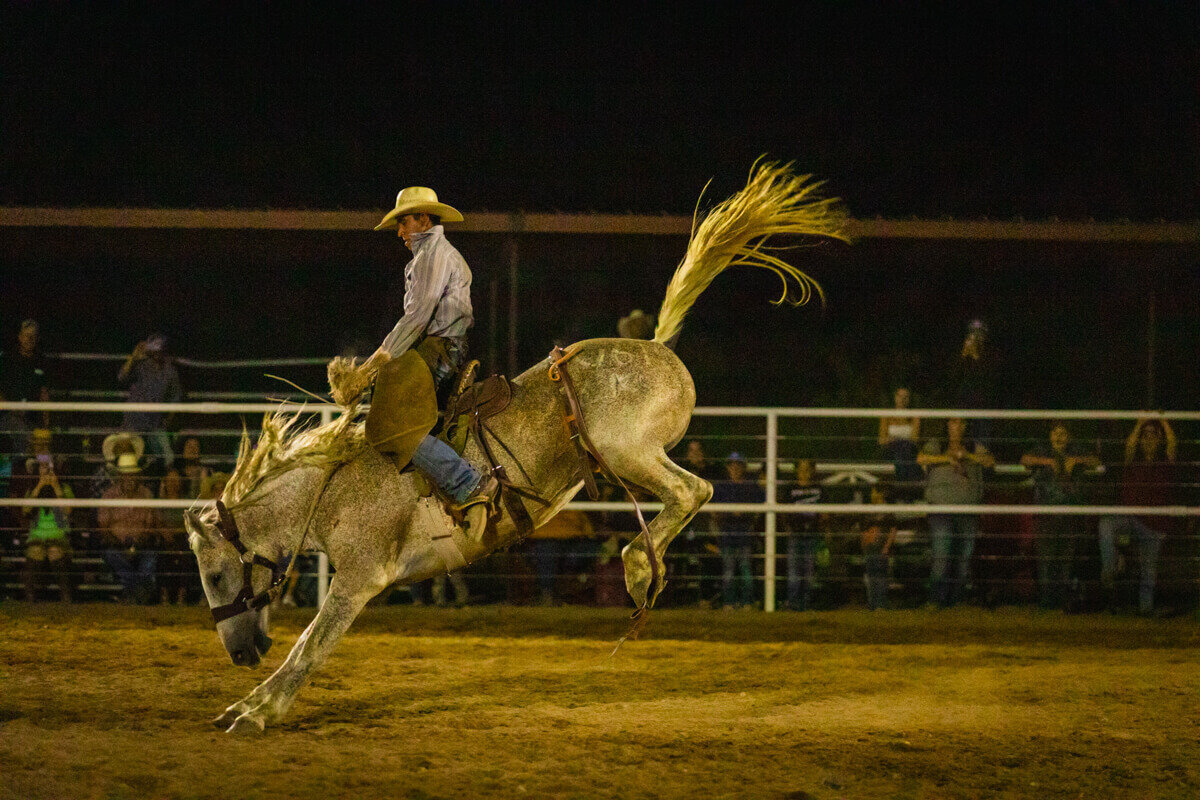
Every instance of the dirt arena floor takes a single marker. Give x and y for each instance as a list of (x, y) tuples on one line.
[(101, 701)]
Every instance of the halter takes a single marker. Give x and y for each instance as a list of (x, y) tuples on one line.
[(246, 599)]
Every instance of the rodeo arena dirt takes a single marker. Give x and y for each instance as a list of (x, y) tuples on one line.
[(103, 702)]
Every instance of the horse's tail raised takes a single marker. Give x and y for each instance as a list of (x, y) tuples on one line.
[(774, 201)]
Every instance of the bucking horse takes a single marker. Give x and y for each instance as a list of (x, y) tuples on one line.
[(325, 488)]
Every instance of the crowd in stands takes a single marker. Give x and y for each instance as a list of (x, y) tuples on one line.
[(879, 560)]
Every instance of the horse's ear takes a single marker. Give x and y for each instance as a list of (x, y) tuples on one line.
[(193, 525)]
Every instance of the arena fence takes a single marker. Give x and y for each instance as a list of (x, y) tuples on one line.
[(770, 439)]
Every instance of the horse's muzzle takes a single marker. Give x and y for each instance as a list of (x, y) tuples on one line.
[(251, 655), (245, 657)]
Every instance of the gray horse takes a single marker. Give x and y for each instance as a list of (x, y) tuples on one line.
[(326, 488)]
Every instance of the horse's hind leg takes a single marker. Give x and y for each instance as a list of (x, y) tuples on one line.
[(681, 493), (271, 699)]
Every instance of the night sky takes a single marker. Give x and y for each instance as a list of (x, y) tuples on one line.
[(1000, 110), (1006, 109)]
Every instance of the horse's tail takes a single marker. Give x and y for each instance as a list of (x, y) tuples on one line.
[(734, 233)]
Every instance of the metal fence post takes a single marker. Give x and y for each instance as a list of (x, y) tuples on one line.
[(322, 559), (772, 468)]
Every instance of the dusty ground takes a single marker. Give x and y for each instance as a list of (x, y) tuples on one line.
[(114, 702)]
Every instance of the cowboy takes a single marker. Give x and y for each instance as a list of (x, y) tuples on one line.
[(424, 352), (131, 552)]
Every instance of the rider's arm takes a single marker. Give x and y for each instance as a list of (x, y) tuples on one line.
[(430, 275)]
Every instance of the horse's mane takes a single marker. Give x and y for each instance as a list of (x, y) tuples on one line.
[(283, 447)]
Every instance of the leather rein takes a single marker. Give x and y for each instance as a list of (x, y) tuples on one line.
[(246, 599)]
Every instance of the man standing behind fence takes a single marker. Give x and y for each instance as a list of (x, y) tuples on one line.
[(24, 375), (954, 476), (1055, 477), (737, 530), (151, 378)]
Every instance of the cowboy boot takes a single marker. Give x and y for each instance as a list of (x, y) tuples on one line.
[(479, 506)]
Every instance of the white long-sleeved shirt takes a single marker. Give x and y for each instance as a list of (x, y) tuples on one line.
[(437, 293)]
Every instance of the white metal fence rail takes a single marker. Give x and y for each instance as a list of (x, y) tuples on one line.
[(770, 509)]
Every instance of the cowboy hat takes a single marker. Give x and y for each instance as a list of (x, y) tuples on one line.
[(638, 325), (419, 200), (127, 464), (125, 442)]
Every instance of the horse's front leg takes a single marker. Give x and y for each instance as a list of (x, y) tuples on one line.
[(271, 699)]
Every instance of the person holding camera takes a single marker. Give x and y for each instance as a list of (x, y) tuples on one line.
[(152, 378), (47, 543)]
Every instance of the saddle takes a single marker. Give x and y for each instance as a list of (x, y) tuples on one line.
[(471, 405), (476, 400)]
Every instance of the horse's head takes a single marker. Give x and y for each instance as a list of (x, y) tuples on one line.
[(223, 575)]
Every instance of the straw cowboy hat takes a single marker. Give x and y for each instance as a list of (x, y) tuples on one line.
[(419, 200), (127, 464), (123, 442)]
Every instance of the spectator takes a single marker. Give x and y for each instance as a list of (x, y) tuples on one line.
[(1056, 468), (898, 436), (437, 589), (697, 462), (804, 534), (131, 533), (193, 472), (213, 486), (638, 325), (24, 376), (550, 550), (40, 441), (48, 543), (954, 477), (736, 532), (112, 448), (972, 380), (877, 539), (686, 558), (152, 378), (1146, 481), (177, 566)]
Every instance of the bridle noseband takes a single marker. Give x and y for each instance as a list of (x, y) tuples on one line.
[(246, 599)]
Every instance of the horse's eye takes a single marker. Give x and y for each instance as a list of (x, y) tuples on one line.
[(214, 579)]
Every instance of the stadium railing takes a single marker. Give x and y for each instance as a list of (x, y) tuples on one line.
[(755, 431)]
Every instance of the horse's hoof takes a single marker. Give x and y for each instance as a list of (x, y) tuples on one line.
[(637, 573), (248, 725), (226, 719)]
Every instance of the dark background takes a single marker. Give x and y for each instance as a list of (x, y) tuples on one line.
[(1068, 110), (1001, 109)]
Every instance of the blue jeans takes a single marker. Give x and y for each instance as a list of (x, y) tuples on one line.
[(801, 570), (546, 555), (135, 575), (737, 576), (1149, 542), (446, 468), (952, 540), (158, 443), (875, 577)]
